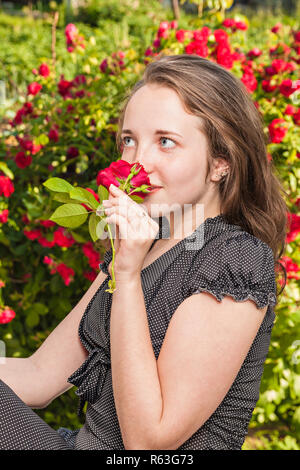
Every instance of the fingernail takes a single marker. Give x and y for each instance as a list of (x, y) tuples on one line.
[(106, 202), (112, 186)]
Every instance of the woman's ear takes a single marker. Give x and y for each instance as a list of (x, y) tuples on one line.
[(220, 169)]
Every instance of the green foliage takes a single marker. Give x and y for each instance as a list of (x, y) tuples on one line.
[(88, 122)]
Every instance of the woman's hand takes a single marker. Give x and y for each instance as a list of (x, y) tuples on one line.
[(134, 234)]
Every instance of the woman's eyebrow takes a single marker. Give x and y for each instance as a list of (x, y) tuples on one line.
[(158, 131)]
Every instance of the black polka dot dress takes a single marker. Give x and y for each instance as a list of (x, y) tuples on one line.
[(219, 258)]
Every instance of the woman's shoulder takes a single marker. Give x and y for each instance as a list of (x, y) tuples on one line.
[(235, 263)]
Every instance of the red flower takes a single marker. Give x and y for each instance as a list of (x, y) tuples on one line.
[(255, 52), (70, 32), (33, 88), (290, 110), (121, 169), (224, 56), (22, 160), (267, 87), (61, 239), (228, 22), (240, 25), (44, 70), (286, 87), (32, 234), (44, 242), (6, 315), (48, 260), (276, 27), (4, 216), (90, 275), (72, 152), (277, 130), (92, 255), (6, 186), (221, 36), (47, 223), (53, 135), (294, 227), (180, 34), (291, 267), (64, 88), (279, 65), (249, 81), (296, 117), (65, 272)]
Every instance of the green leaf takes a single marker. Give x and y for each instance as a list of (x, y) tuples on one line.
[(85, 196), (42, 139), (70, 215), (136, 198), (6, 170), (32, 319), (64, 197), (103, 192), (58, 184), (93, 222)]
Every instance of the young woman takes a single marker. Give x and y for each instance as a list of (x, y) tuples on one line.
[(173, 358)]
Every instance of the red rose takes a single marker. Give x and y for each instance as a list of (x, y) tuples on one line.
[(279, 65), (22, 160), (6, 186), (47, 223), (44, 70), (121, 169), (72, 152), (92, 255), (276, 27), (249, 81), (65, 272), (4, 216), (266, 86), (221, 36), (277, 130), (286, 87), (296, 117), (240, 25), (64, 88), (33, 88), (224, 56), (255, 52), (6, 315), (32, 234), (291, 267), (61, 239), (290, 110), (90, 275), (179, 36), (44, 242), (228, 22)]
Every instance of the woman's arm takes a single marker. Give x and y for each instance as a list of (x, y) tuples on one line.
[(161, 404), (42, 377)]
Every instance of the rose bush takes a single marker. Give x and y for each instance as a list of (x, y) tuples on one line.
[(66, 128)]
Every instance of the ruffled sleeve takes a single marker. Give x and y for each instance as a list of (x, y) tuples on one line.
[(242, 267)]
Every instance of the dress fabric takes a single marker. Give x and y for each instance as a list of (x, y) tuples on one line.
[(219, 258)]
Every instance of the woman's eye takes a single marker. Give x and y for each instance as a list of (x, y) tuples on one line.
[(162, 138), (124, 140), (165, 138)]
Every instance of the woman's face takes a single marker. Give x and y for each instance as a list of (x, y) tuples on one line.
[(176, 158)]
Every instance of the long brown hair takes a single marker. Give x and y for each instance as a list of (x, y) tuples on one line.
[(251, 194)]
